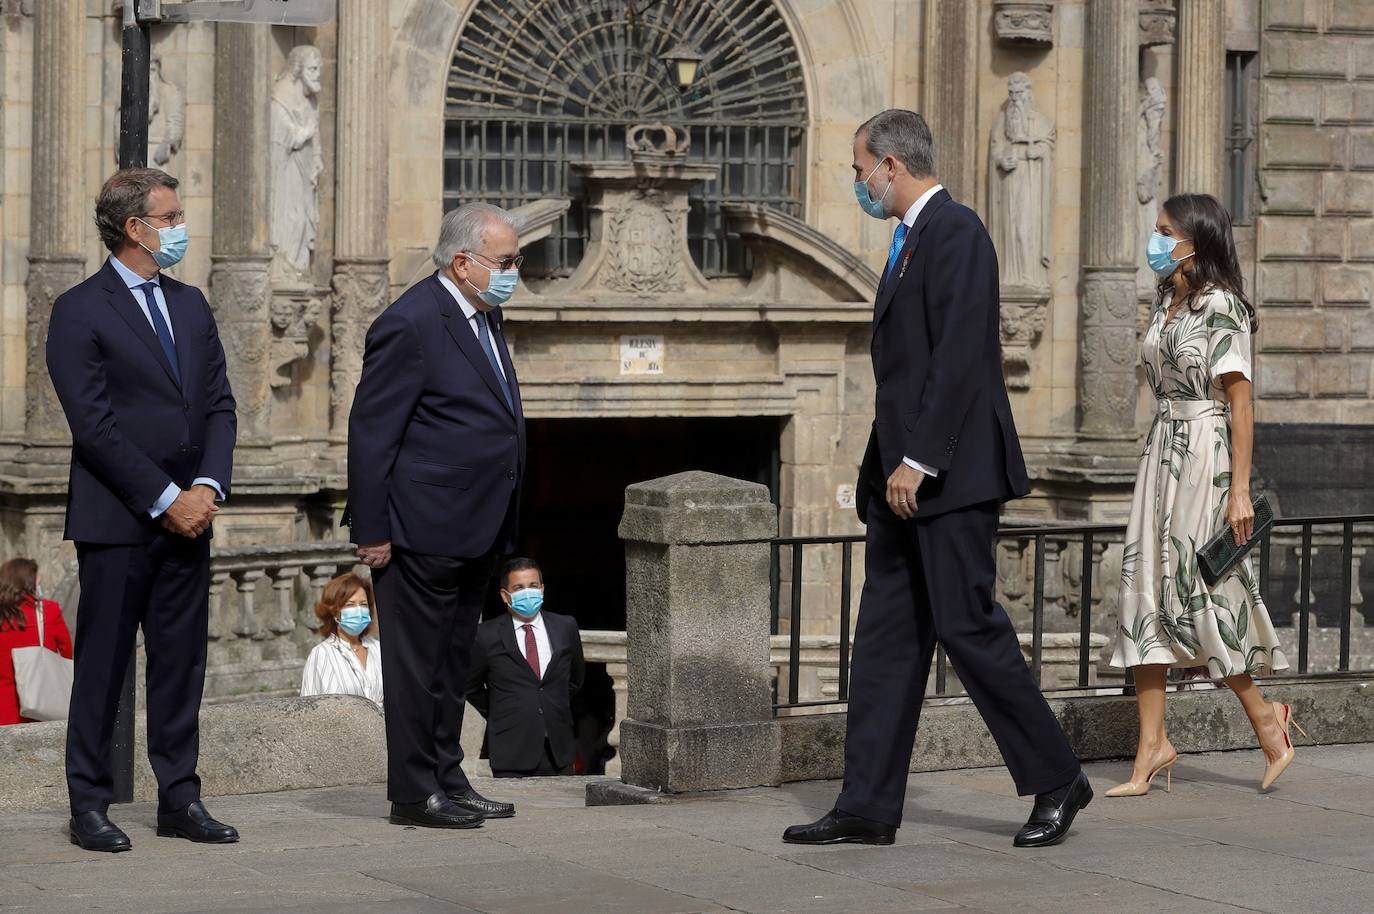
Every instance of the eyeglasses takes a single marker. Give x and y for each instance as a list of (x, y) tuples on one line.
[(173, 218), (509, 263)]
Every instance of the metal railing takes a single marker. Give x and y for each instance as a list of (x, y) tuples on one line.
[(1090, 538)]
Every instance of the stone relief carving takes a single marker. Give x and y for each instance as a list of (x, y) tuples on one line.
[(1020, 193), (1019, 22), (16, 7), (1158, 22), (638, 243), (296, 163), (48, 278), (1149, 159), (293, 319), (1022, 325), (239, 296), (1108, 353), (642, 241), (166, 116), (361, 293)]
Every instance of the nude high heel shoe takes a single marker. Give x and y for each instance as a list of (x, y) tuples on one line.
[(1284, 714), (1140, 788)]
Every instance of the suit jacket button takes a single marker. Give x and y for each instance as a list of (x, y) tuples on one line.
[(510, 475), (186, 406)]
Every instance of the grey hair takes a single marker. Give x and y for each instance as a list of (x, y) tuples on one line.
[(465, 228), (905, 136), (125, 194)]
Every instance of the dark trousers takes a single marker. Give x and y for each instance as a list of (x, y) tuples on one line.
[(165, 587), (547, 767), (428, 607), (929, 580)]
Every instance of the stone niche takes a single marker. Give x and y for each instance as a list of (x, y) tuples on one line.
[(1024, 22)]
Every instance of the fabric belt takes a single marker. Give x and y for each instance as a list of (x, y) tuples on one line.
[(1190, 410)]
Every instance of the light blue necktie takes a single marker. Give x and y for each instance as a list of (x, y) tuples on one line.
[(898, 242), (485, 338), (164, 333)]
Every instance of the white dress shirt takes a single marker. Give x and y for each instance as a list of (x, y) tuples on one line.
[(334, 669), (471, 314), (133, 281), (909, 220), (541, 639)]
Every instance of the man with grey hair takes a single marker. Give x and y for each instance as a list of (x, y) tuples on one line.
[(943, 427), (436, 454)]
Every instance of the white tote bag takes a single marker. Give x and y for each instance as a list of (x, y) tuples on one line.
[(43, 678)]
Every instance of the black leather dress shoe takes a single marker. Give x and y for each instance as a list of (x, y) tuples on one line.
[(195, 824), (1050, 820), (837, 828), (472, 801), (93, 831), (436, 812)]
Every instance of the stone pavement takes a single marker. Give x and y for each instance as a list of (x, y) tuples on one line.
[(1212, 845)]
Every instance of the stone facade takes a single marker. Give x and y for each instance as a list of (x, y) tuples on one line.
[(787, 341)]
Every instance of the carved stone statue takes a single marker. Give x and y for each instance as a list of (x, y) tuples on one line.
[(166, 114), (296, 163), (1149, 159), (1020, 193)]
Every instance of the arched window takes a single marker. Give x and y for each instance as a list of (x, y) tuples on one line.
[(537, 85)]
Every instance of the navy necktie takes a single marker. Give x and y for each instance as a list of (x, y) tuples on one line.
[(898, 242), (485, 337), (164, 333)]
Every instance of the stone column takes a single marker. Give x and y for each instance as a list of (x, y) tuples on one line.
[(1107, 342), (60, 210), (699, 709), (1200, 93), (949, 92), (360, 199), (241, 261)]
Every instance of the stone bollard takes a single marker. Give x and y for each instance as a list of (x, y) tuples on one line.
[(700, 713)]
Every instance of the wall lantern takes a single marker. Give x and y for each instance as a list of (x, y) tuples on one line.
[(684, 61)]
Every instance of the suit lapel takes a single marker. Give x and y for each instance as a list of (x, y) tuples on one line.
[(461, 331), (889, 287), (555, 642), (507, 627), (122, 300)]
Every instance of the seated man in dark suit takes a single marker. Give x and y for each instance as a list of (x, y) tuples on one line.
[(526, 666)]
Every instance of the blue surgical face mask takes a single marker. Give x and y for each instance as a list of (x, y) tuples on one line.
[(527, 603), (173, 240), (355, 619), (500, 285), (1159, 253), (874, 208)]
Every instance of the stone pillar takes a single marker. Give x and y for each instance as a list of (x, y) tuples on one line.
[(60, 210), (949, 92), (241, 261), (1200, 94), (1107, 342), (699, 709), (360, 199)]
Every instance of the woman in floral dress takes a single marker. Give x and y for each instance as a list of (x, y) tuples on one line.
[(1194, 479)]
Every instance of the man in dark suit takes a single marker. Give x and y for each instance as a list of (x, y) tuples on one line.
[(943, 428), (137, 364), (436, 452), (526, 668)]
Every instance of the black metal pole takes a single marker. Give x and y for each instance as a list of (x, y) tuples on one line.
[(133, 153)]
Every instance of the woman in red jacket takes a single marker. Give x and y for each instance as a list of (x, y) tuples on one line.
[(19, 628)]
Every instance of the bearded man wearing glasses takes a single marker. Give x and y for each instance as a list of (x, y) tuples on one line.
[(436, 453)]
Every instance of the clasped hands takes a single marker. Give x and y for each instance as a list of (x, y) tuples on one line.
[(190, 515)]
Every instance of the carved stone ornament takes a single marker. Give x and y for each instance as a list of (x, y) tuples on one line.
[(360, 294), (293, 319), (1021, 190), (16, 7), (48, 278), (297, 163), (1022, 325), (239, 297), (1158, 22), (1022, 22), (1150, 170), (638, 231)]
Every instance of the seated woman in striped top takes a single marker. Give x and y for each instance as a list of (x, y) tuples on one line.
[(349, 659)]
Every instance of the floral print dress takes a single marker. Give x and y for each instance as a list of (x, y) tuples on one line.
[(1168, 614)]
